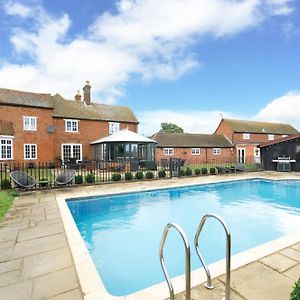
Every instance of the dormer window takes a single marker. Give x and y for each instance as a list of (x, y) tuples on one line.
[(71, 125), (246, 136)]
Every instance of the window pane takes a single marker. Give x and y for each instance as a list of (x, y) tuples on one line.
[(66, 152)]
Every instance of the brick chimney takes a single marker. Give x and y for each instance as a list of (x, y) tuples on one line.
[(78, 96), (87, 93)]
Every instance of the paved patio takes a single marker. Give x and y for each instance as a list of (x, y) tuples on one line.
[(269, 278), (36, 262), (35, 259)]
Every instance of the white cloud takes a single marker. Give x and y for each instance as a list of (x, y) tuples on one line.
[(17, 9), (190, 121), (148, 39), (284, 109)]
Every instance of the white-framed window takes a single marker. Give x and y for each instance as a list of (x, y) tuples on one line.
[(168, 151), (216, 151), (246, 136), (29, 123), (71, 151), (71, 125), (195, 151), (30, 151), (284, 135), (271, 137), (113, 127), (6, 148)]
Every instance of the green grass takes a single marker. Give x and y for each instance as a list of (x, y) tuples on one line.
[(6, 199)]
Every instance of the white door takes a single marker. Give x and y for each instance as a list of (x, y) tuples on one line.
[(257, 155), (241, 155)]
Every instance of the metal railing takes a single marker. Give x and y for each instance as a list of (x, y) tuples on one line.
[(187, 260), (208, 284)]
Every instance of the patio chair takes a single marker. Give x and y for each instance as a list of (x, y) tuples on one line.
[(65, 177), (23, 180), (164, 163), (240, 167)]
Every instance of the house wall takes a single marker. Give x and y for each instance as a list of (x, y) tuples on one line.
[(205, 156), (290, 149), (88, 131), (49, 144), (250, 145), (41, 137)]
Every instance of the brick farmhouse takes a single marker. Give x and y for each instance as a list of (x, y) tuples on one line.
[(42, 128), (246, 136), (201, 148)]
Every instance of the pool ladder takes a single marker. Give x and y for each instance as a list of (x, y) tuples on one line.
[(208, 283)]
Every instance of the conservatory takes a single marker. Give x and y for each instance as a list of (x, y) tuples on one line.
[(125, 146)]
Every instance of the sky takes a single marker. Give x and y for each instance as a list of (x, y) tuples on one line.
[(189, 62)]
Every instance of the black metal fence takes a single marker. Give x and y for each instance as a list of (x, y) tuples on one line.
[(93, 172)]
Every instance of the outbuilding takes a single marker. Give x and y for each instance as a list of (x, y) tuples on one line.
[(282, 154)]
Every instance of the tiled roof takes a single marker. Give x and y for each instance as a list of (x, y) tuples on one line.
[(281, 140), (78, 110), (6, 128), (68, 108), (260, 127), (190, 140), (14, 97)]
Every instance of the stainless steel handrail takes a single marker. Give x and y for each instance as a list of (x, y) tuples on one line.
[(208, 284), (187, 260)]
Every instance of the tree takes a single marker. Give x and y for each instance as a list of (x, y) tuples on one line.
[(170, 128)]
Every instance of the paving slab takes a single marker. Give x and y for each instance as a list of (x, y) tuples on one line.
[(259, 282), (6, 253), (278, 262), (9, 278), (39, 231), (10, 265), (55, 283), (7, 234), (30, 247), (18, 291), (291, 253), (293, 273), (46, 262), (296, 246), (71, 295)]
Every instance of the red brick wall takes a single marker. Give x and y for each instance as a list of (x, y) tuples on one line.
[(49, 144), (256, 138), (88, 131), (41, 137), (206, 155), (223, 128)]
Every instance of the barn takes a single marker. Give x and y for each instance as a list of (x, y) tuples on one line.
[(282, 154)]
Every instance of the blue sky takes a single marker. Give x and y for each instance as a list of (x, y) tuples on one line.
[(182, 61)]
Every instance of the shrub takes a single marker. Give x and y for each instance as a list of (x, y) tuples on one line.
[(295, 295), (162, 174), (149, 175), (5, 184), (90, 178), (212, 170), (151, 165), (128, 176), (188, 171), (197, 171), (204, 170), (78, 179), (182, 172), (116, 177), (139, 175)]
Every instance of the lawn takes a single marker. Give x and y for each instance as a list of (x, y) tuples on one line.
[(6, 199)]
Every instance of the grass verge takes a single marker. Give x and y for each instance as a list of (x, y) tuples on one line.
[(6, 199)]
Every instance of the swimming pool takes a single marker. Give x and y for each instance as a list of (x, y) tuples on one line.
[(123, 232)]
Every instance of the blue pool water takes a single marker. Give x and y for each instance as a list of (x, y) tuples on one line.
[(123, 232)]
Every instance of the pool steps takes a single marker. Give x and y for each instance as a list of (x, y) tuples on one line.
[(208, 284)]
